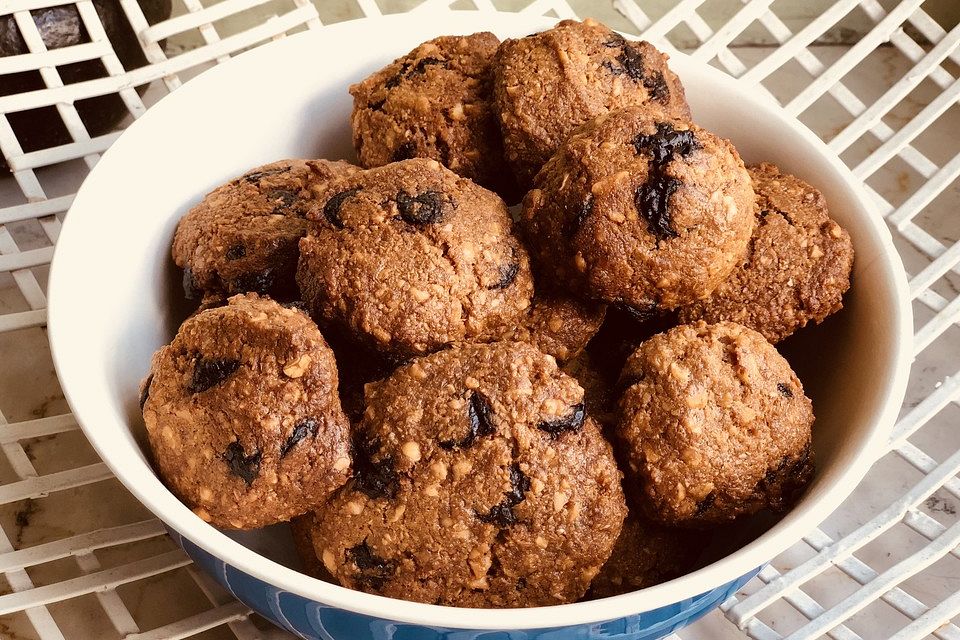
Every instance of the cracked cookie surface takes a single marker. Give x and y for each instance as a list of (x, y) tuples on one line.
[(549, 83), (410, 257), (797, 267), (480, 482), (714, 424), (243, 417), (243, 235)]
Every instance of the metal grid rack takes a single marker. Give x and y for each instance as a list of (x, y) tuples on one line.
[(888, 557)]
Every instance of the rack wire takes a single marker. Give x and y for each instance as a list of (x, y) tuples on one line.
[(888, 558)]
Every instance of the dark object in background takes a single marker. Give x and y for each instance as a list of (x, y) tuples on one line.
[(62, 27)]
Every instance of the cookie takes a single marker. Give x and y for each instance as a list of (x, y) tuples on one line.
[(243, 235), (548, 84), (435, 102), (479, 482), (242, 414), (558, 325), (714, 424), (645, 554), (640, 211), (410, 257), (797, 267)]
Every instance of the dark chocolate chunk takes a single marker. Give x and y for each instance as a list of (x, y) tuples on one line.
[(307, 426), (502, 514), (480, 417), (425, 208), (615, 40), (631, 62), (281, 198), (704, 505), (191, 290), (375, 478), (508, 273), (256, 282), (242, 465), (572, 422), (784, 390), (146, 392), (236, 252), (406, 150), (656, 85), (331, 210), (425, 62), (209, 372), (652, 200), (665, 143), (637, 313), (378, 105), (395, 80), (374, 570), (256, 176)]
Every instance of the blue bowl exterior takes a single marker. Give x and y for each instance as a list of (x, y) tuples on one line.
[(316, 621)]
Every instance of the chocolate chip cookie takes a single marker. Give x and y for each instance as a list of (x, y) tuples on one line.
[(410, 257), (549, 83), (243, 417), (479, 482), (435, 102), (243, 236), (714, 424), (796, 269), (640, 211)]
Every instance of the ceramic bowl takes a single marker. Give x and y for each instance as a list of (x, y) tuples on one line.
[(114, 298)]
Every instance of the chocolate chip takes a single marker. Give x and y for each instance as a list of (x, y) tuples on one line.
[(784, 483), (502, 514), (242, 465), (374, 570), (666, 143), (256, 282), (615, 40), (395, 80), (631, 61), (636, 312), (146, 392), (191, 291), (305, 427), (425, 62), (281, 198), (425, 208), (572, 422), (586, 208), (378, 105), (508, 273), (656, 86), (652, 201), (704, 505), (331, 210), (406, 150), (236, 252), (256, 176), (375, 478), (784, 390), (209, 372), (480, 417)]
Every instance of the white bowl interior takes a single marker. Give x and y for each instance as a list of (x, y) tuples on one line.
[(115, 298)]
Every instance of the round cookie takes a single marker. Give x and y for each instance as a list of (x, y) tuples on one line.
[(645, 554), (714, 424), (548, 84), (797, 268), (410, 257), (243, 235), (435, 102), (640, 211), (559, 325), (479, 482), (242, 414)]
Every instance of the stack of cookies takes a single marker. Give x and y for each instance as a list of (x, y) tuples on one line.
[(458, 405)]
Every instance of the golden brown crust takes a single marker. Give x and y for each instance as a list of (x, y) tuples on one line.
[(243, 235), (410, 257), (797, 267), (242, 414), (714, 423), (435, 102), (480, 482), (549, 83), (640, 211)]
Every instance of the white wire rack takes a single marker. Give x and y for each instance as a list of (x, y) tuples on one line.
[(77, 552)]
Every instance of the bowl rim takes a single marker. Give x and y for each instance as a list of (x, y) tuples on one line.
[(748, 558)]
